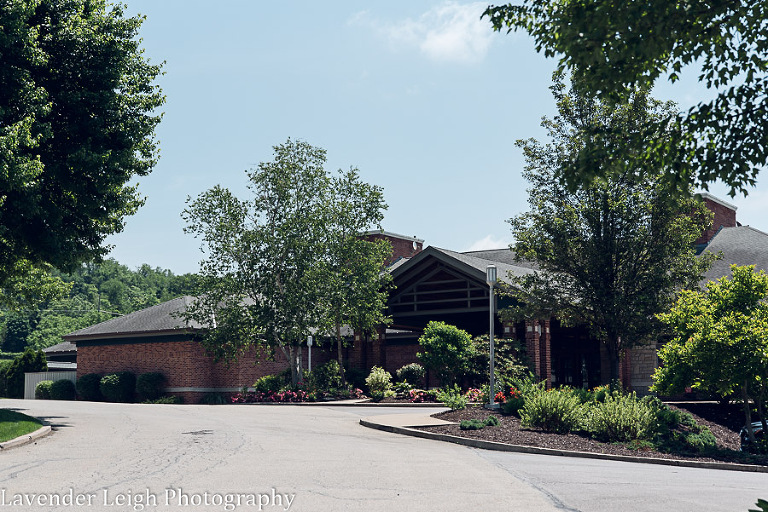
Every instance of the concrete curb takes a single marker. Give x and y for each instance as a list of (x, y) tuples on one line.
[(343, 403), (492, 445), (26, 439)]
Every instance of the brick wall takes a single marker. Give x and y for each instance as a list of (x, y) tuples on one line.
[(401, 247), (186, 365), (642, 363), (725, 217)]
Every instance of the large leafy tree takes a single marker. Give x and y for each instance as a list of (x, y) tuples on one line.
[(613, 47), (720, 341), (354, 287), (613, 253), (279, 263), (77, 121)]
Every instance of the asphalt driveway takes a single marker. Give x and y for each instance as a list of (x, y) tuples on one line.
[(132, 457)]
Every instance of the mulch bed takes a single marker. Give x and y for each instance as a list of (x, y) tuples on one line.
[(724, 422)]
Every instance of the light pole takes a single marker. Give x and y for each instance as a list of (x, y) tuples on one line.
[(490, 278), (309, 349)]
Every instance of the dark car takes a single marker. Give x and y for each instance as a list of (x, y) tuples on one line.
[(757, 428)]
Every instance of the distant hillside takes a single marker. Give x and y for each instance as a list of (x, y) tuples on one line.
[(99, 292)]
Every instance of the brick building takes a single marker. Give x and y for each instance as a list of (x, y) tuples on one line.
[(430, 284)]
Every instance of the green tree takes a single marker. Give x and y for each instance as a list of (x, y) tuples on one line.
[(446, 350), (720, 341), (611, 254), (613, 47), (29, 361), (77, 121), (354, 289), (269, 257)]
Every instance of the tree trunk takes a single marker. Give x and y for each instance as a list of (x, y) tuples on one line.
[(747, 414), (294, 360), (340, 353)]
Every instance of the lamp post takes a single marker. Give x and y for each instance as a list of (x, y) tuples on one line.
[(490, 275), (309, 349)]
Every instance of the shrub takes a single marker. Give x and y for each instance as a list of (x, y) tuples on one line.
[(378, 381), (270, 384), (214, 399), (556, 410), (622, 418), (29, 361), (43, 390), (446, 350), (419, 395), (63, 389), (412, 373), (150, 385), (471, 424), (88, 387), (514, 402), (491, 421), (453, 398), (118, 387), (170, 399), (328, 375), (355, 377)]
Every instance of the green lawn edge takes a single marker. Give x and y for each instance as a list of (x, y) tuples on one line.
[(14, 424)]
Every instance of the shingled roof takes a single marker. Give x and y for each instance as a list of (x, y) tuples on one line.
[(741, 245), (162, 318), (473, 263)]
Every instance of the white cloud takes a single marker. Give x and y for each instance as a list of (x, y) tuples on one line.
[(489, 242), (450, 32)]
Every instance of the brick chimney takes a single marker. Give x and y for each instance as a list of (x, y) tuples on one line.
[(725, 217), (402, 246)]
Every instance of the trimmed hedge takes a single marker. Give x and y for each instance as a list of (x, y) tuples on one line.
[(150, 385), (118, 387), (43, 390), (63, 389), (88, 387)]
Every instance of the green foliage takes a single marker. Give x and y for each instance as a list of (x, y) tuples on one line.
[(378, 381), (614, 47), (413, 373), (453, 397), (170, 399), (762, 505), (292, 249), (270, 383), (118, 387), (43, 390), (355, 377), (622, 418), (150, 385), (78, 120), (475, 424), (445, 350), (63, 389), (326, 376), (214, 399), (14, 424), (611, 253), (720, 342), (556, 410), (85, 301), (29, 361), (508, 364), (88, 387)]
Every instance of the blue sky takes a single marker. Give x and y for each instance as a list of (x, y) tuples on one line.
[(422, 97)]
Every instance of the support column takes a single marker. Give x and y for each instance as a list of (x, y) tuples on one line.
[(546, 352), (533, 346), (625, 369)]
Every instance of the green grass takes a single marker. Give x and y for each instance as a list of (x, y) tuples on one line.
[(14, 424)]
